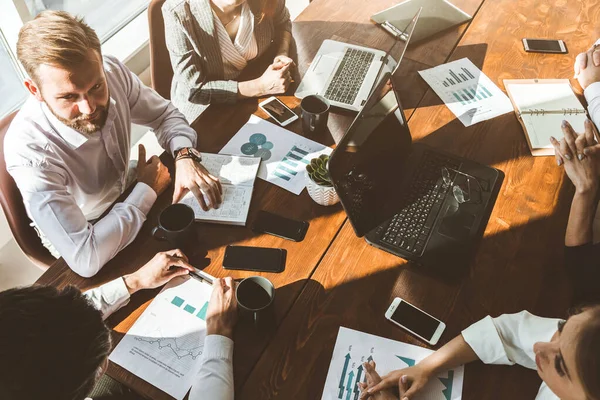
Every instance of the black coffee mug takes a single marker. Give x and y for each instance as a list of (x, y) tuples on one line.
[(315, 113), (175, 224), (255, 297)]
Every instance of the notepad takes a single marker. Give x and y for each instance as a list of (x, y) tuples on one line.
[(542, 105), (237, 175)]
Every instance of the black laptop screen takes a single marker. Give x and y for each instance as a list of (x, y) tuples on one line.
[(368, 163)]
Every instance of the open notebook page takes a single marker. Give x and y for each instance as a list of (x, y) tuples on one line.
[(548, 97)]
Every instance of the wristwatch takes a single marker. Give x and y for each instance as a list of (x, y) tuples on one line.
[(188, 152)]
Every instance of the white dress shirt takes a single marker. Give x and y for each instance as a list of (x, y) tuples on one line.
[(68, 179), (215, 378), (509, 339)]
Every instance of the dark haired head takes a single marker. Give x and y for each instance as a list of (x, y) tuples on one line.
[(52, 344), (587, 354)]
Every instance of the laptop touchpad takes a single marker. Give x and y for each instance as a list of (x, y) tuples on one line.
[(456, 221)]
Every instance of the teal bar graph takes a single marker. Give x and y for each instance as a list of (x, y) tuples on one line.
[(177, 301), (202, 313)]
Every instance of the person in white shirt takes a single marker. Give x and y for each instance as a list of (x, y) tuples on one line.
[(68, 147), (566, 354), (54, 344)]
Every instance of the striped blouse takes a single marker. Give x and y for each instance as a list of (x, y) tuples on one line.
[(203, 66)]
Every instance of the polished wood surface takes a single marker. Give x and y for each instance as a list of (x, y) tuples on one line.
[(334, 279), (519, 263)]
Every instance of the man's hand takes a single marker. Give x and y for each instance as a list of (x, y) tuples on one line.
[(221, 315), (158, 271), (591, 72), (152, 172), (373, 379), (581, 60), (192, 176)]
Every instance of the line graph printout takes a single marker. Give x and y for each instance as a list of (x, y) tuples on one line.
[(467, 91), (284, 154), (353, 348), (164, 347)]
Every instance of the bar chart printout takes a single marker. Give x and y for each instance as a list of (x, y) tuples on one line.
[(467, 91), (284, 154), (164, 346), (353, 348)]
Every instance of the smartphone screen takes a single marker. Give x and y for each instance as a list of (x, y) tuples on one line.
[(544, 45), (278, 111), (415, 320), (277, 225), (254, 259)]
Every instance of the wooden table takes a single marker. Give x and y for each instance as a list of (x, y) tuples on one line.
[(335, 279)]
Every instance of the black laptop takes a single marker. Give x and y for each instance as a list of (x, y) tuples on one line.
[(409, 199)]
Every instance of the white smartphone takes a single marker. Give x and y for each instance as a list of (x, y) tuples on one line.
[(415, 321), (278, 111), (545, 46)]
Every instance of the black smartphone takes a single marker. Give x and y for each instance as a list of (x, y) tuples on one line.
[(277, 225), (262, 259), (545, 46)]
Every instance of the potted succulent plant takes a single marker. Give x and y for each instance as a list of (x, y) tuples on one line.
[(319, 184)]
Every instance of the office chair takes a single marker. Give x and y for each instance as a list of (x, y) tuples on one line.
[(161, 72), (12, 204)]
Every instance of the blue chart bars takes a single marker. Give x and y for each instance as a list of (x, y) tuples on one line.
[(458, 77), (472, 94), (288, 166), (178, 302)]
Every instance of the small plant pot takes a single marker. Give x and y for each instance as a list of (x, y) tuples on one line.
[(323, 195)]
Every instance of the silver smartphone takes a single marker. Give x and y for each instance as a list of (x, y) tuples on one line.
[(545, 46), (415, 321), (278, 111)]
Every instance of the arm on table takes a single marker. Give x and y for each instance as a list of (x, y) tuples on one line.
[(85, 247), (504, 340), (113, 295)]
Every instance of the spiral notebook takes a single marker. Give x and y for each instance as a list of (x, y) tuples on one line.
[(237, 175), (541, 105)]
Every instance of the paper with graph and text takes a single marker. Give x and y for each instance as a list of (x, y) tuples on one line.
[(164, 346), (284, 154), (353, 348), (467, 91)]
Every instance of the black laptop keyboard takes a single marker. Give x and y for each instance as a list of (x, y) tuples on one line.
[(409, 229), (349, 76)]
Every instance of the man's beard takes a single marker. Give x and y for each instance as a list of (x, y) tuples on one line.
[(82, 123)]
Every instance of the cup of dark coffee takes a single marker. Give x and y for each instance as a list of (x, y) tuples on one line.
[(175, 225), (315, 113), (255, 296)]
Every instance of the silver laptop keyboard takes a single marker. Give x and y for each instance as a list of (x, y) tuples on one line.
[(349, 76)]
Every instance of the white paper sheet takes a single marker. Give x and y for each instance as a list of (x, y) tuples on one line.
[(467, 91), (353, 348), (284, 154), (164, 347)]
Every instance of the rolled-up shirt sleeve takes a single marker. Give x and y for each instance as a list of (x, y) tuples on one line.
[(86, 247), (509, 338), (215, 379), (109, 297)]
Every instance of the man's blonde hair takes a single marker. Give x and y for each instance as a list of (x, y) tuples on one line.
[(55, 38)]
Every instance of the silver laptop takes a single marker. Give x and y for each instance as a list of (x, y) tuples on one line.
[(437, 15), (345, 74)]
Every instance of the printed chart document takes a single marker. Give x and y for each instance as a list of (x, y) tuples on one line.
[(284, 154), (541, 106), (237, 176), (467, 91), (164, 347), (353, 348)]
